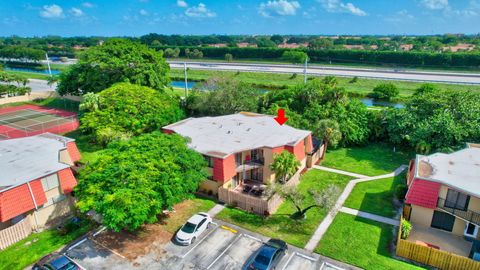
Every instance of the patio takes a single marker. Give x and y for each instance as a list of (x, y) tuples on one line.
[(439, 239), (251, 187)]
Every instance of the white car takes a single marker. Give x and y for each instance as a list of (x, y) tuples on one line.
[(194, 227)]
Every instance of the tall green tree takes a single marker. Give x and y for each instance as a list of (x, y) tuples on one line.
[(126, 110), (117, 60), (284, 165), (329, 131), (134, 180)]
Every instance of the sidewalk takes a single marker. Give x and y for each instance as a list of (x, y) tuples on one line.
[(327, 221), (366, 215), (356, 175)]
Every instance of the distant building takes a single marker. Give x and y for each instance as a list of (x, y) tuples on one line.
[(218, 45), (406, 47), (459, 47), (293, 45), (246, 45)]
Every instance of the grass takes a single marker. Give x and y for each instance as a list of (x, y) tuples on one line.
[(54, 103), (280, 225), (376, 196), (278, 81), (89, 151), (37, 245), (361, 242), (371, 160)]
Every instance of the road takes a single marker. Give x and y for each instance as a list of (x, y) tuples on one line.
[(382, 74)]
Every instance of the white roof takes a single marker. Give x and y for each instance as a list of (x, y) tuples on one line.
[(26, 159), (221, 136), (459, 170)]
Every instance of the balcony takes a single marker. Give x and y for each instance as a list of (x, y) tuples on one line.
[(457, 210), (250, 165)]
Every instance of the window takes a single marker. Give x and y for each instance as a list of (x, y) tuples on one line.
[(238, 159), (471, 230), (209, 161), (457, 200), (50, 182)]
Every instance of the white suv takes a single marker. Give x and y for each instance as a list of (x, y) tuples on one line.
[(194, 227)]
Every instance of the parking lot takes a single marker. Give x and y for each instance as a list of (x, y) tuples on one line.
[(220, 247)]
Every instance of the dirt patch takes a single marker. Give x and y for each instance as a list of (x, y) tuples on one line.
[(149, 236)]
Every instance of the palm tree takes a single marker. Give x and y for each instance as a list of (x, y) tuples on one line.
[(329, 131), (284, 165)]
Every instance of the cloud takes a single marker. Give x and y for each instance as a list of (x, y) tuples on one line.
[(435, 4), (88, 5), (182, 3), (337, 6), (143, 12), (51, 12), (76, 12), (280, 8), (401, 16), (200, 11)]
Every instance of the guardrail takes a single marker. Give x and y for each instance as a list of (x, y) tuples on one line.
[(456, 210)]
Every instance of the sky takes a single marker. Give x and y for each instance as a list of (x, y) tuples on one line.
[(193, 17)]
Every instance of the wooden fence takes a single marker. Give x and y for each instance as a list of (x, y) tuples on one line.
[(253, 204), (434, 257), (15, 233)]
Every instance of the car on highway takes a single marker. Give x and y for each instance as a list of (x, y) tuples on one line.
[(56, 261), (193, 228), (267, 256)]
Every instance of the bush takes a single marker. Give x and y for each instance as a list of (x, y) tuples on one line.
[(171, 53), (385, 91), (401, 191), (228, 57), (294, 76), (294, 57), (354, 80), (406, 228), (195, 53)]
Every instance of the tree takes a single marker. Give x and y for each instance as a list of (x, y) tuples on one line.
[(171, 53), (284, 165), (321, 44), (322, 199), (90, 102), (193, 53), (132, 181), (117, 60), (222, 95), (436, 120), (329, 131), (385, 91), (277, 39), (228, 57), (126, 110), (294, 57), (265, 43), (426, 88)]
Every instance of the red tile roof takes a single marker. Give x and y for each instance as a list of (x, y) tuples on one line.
[(73, 151), (18, 200), (67, 180), (423, 193)]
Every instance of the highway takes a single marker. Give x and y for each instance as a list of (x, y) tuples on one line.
[(381, 74)]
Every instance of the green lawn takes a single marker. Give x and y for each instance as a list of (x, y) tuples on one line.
[(54, 103), (88, 150), (361, 242), (375, 196), (280, 225), (35, 246), (274, 81), (371, 160)]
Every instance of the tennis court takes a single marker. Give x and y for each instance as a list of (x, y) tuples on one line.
[(28, 120)]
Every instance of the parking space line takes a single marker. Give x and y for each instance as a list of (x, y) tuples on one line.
[(111, 250), (288, 261), (253, 238), (198, 243), (330, 265), (77, 244), (306, 257), (225, 250)]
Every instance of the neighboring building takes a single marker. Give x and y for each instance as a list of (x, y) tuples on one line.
[(246, 45), (293, 45), (217, 45), (239, 148), (36, 179), (444, 200), (406, 47), (459, 47)]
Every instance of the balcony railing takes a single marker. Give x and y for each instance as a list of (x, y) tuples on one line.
[(458, 210)]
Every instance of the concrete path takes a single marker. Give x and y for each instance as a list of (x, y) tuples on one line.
[(322, 228), (215, 210), (356, 175), (366, 215)]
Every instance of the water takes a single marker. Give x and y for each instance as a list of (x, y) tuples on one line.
[(369, 102), (39, 71), (181, 84)]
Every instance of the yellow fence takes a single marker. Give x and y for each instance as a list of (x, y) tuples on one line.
[(433, 257)]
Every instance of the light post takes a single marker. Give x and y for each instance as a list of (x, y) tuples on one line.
[(186, 79)]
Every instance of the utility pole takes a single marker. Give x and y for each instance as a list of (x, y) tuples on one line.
[(186, 79), (305, 71), (48, 64)]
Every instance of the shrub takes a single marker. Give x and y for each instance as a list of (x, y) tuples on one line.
[(406, 228), (294, 57), (385, 91), (354, 80), (228, 57), (294, 76), (401, 191)]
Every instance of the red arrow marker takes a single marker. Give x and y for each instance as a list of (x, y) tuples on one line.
[(281, 119)]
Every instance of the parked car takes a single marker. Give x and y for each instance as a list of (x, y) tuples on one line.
[(56, 261), (193, 228), (267, 256)]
